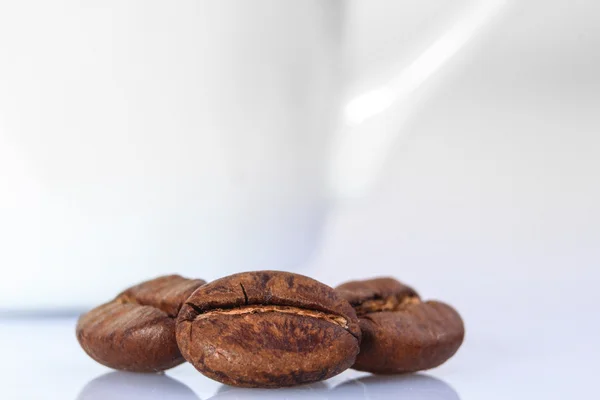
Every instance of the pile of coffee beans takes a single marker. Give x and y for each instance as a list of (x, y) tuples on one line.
[(270, 329)]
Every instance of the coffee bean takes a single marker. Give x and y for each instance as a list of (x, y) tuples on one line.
[(268, 329), (400, 332), (136, 330)]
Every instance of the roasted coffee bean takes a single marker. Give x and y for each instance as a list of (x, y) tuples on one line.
[(136, 330), (268, 329), (400, 332)]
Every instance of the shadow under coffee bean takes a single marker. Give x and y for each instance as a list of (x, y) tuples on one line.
[(312, 391), (136, 330), (119, 385), (268, 329), (400, 332), (394, 387)]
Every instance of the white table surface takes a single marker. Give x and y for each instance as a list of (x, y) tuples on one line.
[(542, 346)]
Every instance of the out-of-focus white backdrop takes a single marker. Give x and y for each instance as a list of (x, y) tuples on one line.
[(110, 172), (470, 130), (141, 138)]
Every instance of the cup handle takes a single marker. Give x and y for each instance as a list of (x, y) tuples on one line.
[(378, 104)]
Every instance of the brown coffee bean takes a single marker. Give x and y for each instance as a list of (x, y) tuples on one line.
[(268, 329), (400, 332), (136, 330)]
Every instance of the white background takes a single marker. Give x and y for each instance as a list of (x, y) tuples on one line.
[(489, 199)]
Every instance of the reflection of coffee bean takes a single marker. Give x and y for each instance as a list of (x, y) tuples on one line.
[(120, 385), (401, 333), (313, 391), (136, 330), (378, 387), (268, 329)]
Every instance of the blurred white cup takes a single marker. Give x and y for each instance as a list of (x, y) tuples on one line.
[(140, 138)]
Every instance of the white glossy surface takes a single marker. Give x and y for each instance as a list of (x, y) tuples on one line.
[(543, 345)]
